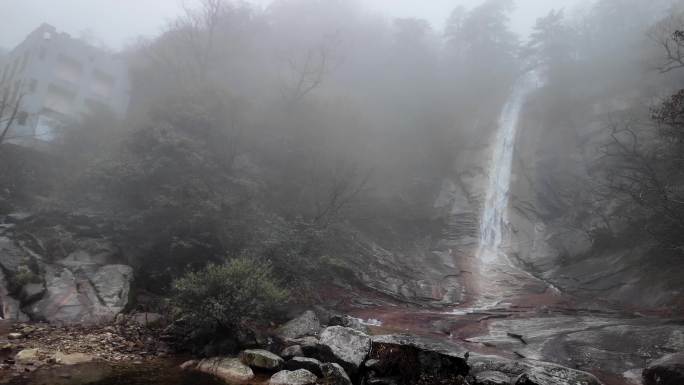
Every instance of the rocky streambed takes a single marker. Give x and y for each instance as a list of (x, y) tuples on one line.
[(469, 347)]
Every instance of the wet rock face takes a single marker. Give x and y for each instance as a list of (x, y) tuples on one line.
[(492, 378), (529, 372), (668, 370), (83, 296), (60, 276)]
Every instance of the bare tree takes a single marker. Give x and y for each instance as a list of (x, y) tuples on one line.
[(669, 36), (343, 188), (9, 113)]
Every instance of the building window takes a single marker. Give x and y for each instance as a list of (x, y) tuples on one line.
[(59, 99), (24, 61), (102, 84), (22, 117), (68, 69), (33, 86)]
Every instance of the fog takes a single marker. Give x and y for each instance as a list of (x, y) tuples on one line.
[(342, 192), (116, 23)]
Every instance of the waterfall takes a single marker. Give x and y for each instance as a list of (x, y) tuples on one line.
[(494, 214)]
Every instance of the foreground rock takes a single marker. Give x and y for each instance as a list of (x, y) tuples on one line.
[(413, 357), (28, 356), (305, 325), (349, 347), (261, 359), (227, 369), (334, 374), (310, 364), (297, 377), (73, 359), (668, 370)]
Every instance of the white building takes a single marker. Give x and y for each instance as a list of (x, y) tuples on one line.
[(59, 79)]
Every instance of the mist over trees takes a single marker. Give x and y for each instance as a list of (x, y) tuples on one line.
[(277, 133), (616, 64)]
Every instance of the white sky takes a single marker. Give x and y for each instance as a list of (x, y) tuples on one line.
[(115, 22)]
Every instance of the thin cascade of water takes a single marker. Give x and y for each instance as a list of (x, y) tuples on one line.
[(494, 214)]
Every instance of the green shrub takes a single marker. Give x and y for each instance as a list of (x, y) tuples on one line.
[(224, 297)]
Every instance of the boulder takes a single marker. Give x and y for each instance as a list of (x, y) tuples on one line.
[(227, 369), (349, 347), (306, 324), (292, 351), (27, 356), (73, 359), (297, 377), (334, 374), (85, 294), (492, 378), (310, 364), (433, 357), (668, 370), (261, 359)]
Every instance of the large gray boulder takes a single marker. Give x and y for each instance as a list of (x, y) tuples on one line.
[(230, 370), (297, 377), (73, 295), (668, 370), (261, 359), (349, 347), (306, 324), (433, 357)]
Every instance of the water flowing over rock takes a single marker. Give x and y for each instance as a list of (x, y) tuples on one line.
[(499, 277)]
